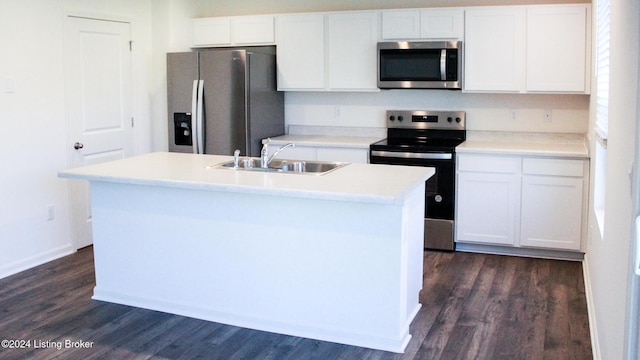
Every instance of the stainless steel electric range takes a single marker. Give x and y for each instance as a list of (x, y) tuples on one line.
[(427, 138)]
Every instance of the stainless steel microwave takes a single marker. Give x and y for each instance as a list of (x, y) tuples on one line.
[(420, 65)]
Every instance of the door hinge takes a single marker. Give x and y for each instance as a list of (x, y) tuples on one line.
[(130, 45), (132, 122)]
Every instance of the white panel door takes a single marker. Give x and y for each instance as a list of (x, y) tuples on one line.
[(401, 24), (98, 104), (487, 208), (300, 40), (551, 214), (352, 51), (442, 24), (495, 49), (557, 48)]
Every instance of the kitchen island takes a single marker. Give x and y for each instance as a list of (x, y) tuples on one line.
[(334, 257)]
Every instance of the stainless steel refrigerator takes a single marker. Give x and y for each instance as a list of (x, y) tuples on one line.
[(220, 100)]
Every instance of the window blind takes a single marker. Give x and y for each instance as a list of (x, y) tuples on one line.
[(603, 26)]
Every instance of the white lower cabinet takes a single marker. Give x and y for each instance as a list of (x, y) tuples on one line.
[(551, 212), (552, 203), (521, 201), (323, 153), (488, 199), (358, 156), (487, 208)]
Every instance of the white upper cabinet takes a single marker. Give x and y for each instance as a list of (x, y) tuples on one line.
[(211, 32), (495, 49), (300, 51), (401, 24), (442, 24), (253, 30), (236, 30), (352, 51), (338, 57), (557, 48), (510, 49), (423, 24), (540, 48)]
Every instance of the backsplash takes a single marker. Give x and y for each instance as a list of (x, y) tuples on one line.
[(485, 112)]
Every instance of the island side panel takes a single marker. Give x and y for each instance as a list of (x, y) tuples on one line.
[(331, 270)]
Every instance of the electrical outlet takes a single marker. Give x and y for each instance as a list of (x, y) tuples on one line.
[(337, 112), (547, 115), (512, 114), (51, 213)]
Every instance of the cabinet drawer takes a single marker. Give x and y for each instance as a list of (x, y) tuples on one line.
[(489, 164), (557, 167)]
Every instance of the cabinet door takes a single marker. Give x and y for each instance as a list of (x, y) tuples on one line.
[(358, 156), (551, 212), (557, 49), (300, 49), (487, 208), (352, 51), (211, 31), (442, 24), (253, 30), (401, 24), (495, 49)]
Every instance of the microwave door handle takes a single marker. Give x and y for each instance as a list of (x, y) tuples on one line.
[(443, 64)]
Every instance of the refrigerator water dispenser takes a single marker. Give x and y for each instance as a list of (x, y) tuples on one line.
[(182, 129)]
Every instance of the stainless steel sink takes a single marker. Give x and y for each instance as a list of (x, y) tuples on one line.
[(283, 166)]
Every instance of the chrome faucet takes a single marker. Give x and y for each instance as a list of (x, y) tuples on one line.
[(236, 158), (265, 159)]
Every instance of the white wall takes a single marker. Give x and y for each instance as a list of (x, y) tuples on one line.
[(33, 143), (171, 32), (608, 257)]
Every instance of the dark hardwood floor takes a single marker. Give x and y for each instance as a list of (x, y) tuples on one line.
[(474, 307)]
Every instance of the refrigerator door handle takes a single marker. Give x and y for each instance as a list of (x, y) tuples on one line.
[(200, 117), (194, 114)]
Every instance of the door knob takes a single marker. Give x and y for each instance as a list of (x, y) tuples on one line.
[(78, 145)]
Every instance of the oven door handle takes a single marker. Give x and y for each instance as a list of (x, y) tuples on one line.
[(410, 155)]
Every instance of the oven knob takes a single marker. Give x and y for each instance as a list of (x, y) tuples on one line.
[(400, 118), (458, 120), (450, 119), (438, 198), (392, 118)]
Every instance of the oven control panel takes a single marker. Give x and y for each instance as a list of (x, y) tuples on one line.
[(426, 119)]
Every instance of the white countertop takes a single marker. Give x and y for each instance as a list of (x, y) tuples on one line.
[(533, 144), (358, 142), (384, 184)]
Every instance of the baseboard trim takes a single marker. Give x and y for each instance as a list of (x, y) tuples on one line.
[(35, 260), (595, 344), (519, 251)]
